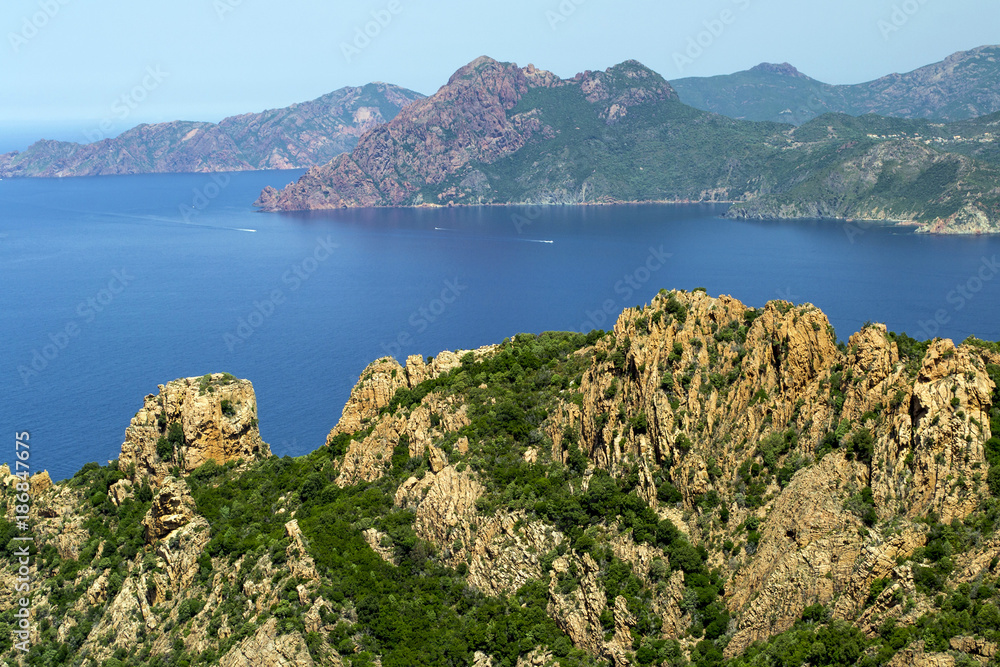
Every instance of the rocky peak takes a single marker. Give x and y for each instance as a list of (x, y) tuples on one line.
[(380, 381), (623, 86), (191, 421), (486, 76), (783, 69), (373, 391), (473, 68), (540, 78)]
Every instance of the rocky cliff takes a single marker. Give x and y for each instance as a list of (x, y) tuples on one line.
[(706, 484), (501, 134), (191, 421), (440, 143), (302, 135)]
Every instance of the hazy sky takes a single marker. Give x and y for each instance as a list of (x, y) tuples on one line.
[(66, 66)]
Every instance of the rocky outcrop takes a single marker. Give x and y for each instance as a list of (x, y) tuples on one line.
[(123, 621), (705, 399), (217, 417), (536, 658), (980, 649), (578, 611), (914, 656), (269, 649), (950, 403), (178, 555), (172, 508), (368, 459), (300, 563), (668, 594), (373, 391), (445, 507), (707, 393), (507, 553), (380, 543), (808, 548), (801, 471), (898, 601)]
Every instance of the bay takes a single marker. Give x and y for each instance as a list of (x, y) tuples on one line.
[(113, 285)]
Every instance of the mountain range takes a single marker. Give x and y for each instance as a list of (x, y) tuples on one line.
[(301, 135), (501, 134), (964, 85)]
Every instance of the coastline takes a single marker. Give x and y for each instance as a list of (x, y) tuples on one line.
[(935, 228)]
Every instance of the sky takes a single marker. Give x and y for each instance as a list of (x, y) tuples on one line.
[(79, 71)]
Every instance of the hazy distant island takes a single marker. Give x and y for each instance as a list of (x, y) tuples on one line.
[(302, 135)]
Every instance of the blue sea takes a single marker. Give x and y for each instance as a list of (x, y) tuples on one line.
[(113, 285)]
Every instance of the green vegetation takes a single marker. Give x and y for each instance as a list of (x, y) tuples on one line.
[(993, 444), (756, 473), (659, 151)]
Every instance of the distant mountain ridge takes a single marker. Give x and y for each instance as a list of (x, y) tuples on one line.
[(501, 134), (301, 135), (964, 85)]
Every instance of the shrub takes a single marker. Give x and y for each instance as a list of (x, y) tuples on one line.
[(815, 613), (862, 446), (175, 434), (188, 609), (164, 449), (668, 493)]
